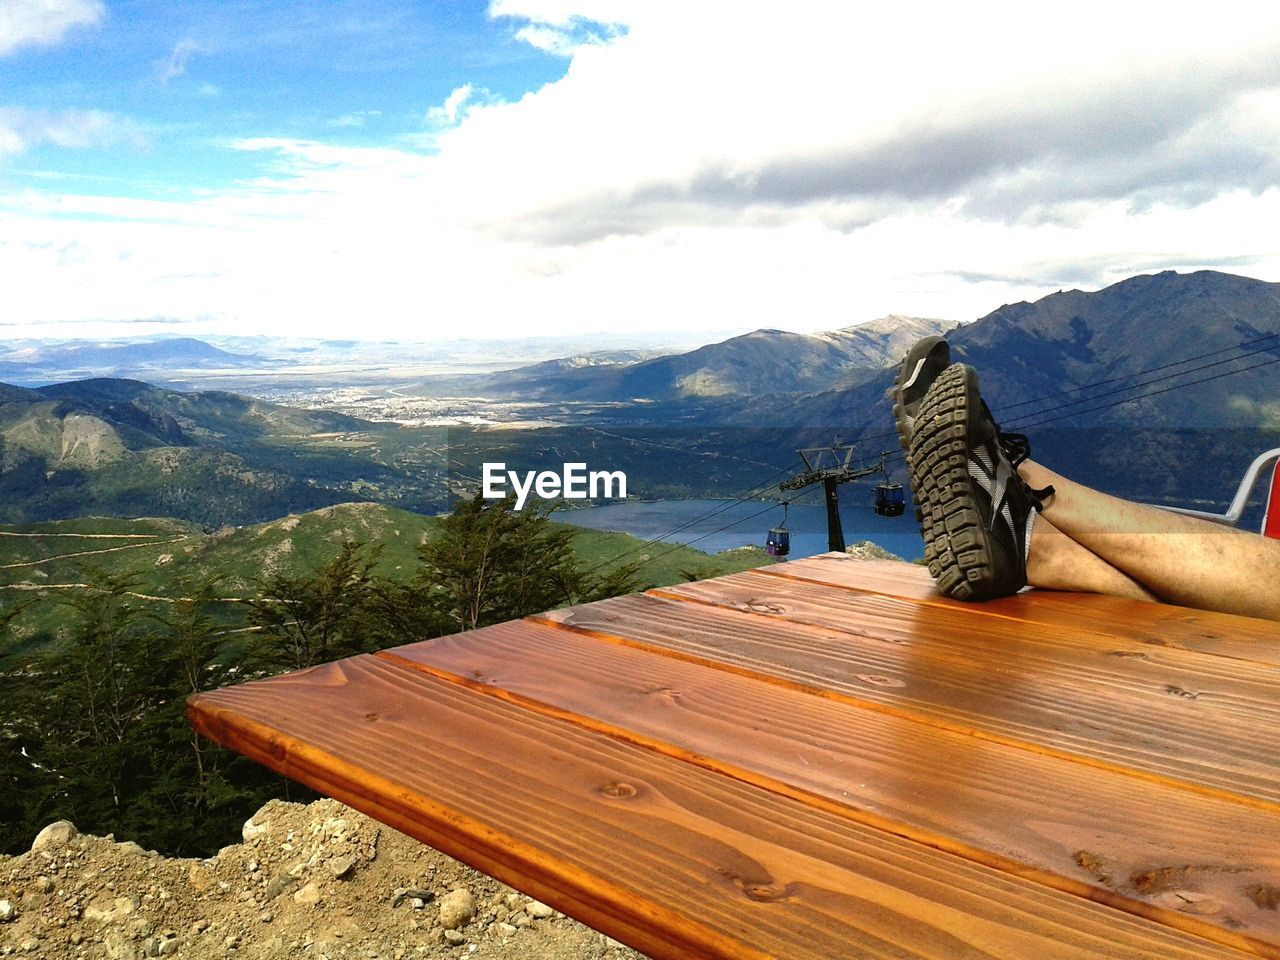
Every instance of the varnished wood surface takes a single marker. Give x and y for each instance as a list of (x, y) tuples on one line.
[(825, 760), (1010, 682), (1092, 832), (712, 866), (1159, 625)]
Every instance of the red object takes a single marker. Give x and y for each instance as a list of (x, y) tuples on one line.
[(1271, 523)]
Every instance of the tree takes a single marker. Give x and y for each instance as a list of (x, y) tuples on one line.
[(489, 562), (194, 792), (85, 706), (313, 618)]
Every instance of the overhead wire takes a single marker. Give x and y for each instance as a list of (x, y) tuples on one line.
[(1153, 393), (1140, 373), (1133, 386), (733, 523), (751, 494)]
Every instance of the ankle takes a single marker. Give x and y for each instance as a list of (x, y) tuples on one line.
[(1037, 477)]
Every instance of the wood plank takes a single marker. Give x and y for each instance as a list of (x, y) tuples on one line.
[(1004, 696), (1218, 685), (1093, 833), (657, 852), (1156, 624)]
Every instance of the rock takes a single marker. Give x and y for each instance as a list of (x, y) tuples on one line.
[(44, 884), (403, 893), (252, 828), (7, 912), (454, 938), (198, 876), (56, 834), (507, 929), (457, 907), (341, 866), (119, 907), (281, 882), (168, 947), (265, 916), (309, 895), (131, 848), (118, 947), (538, 910), (141, 928)]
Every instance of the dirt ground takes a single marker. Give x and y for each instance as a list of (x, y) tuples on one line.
[(308, 881)]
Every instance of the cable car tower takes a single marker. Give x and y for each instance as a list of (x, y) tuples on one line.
[(834, 465)]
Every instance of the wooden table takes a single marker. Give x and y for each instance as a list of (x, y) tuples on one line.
[(825, 759)]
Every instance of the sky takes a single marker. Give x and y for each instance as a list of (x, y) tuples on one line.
[(429, 171)]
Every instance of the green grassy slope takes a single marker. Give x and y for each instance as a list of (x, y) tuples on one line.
[(42, 562)]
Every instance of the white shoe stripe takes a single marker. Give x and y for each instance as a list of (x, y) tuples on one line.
[(915, 373)]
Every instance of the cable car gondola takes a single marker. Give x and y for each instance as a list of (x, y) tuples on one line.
[(778, 543), (890, 500)]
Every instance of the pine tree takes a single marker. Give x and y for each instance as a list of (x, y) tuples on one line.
[(489, 562), (314, 618)]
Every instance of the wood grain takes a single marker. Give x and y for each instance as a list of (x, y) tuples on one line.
[(1094, 833), (1155, 624), (905, 662), (1219, 684), (662, 853)]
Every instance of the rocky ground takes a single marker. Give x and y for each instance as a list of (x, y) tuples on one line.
[(866, 550), (313, 881)]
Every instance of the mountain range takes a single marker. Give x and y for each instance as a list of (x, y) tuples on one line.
[(760, 362), (119, 447), (38, 362), (1160, 387)]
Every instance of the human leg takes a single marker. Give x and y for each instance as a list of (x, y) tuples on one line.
[(1056, 562), (1179, 559)]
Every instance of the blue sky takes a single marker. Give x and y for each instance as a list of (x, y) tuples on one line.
[(566, 166), (185, 79)]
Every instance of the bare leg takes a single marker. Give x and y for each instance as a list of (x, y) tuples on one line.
[(1057, 562), (1179, 559)]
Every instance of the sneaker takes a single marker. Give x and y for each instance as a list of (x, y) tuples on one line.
[(919, 368), (978, 513)]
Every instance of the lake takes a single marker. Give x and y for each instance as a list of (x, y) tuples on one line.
[(735, 524)]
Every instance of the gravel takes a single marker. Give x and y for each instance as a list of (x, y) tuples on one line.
[(314, 881)]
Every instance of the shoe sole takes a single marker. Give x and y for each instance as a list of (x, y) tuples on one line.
[(956, 549), (900, 422)]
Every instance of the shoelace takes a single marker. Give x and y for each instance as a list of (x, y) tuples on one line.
[(1017, 447)]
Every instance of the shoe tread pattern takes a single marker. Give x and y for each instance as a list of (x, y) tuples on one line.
[(957, 550)]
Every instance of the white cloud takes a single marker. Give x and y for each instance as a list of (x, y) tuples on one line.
[(564, 27), (704, 165), (43, 22), (701, 116), (175, 65), (357, 119), (448, 113), (22, 130)]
